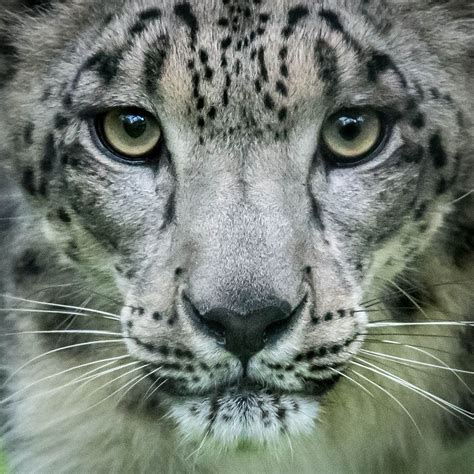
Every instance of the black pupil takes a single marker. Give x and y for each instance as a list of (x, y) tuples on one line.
[(350, 128), (134, 125)]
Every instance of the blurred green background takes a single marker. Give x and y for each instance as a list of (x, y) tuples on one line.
[(3, 469)]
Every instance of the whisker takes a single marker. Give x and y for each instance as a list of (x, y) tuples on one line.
[(60, 349), (153, 372), (442, 336), (398, 402), (441, 402), (410, 298), (117, 378), (423, 323), (464, 196), (136, 369), (413, 289), (64, 331), (140, 379), (401, 344), (57, 305), (425, 364), (110, 361), (342, 374)]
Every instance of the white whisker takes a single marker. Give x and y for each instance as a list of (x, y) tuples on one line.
[(441, 402), (60, 349), (64, 331), (423, 323), (58, 305), (398, 402), (110, 361), (342, 374)]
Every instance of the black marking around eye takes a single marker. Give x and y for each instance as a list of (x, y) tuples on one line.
[(437, 150), (295, 15), (185, 13), (412, 153), (380, 63), (170, 211)]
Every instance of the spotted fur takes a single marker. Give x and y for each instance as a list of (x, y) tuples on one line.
[(241, 212)]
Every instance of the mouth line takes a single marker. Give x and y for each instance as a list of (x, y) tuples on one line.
[(312, 387)]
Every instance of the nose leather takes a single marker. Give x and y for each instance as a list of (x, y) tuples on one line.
[(245, 335)]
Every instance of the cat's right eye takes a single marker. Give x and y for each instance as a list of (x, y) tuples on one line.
[(132, 134)]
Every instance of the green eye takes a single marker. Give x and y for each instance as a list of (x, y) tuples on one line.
[(351, 135), (133, 134)]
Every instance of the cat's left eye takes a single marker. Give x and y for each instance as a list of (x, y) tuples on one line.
[(131, 134)]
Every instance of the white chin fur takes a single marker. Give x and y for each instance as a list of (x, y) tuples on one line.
[(256, 418)]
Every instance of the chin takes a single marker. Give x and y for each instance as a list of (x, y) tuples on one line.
[(244, 418)]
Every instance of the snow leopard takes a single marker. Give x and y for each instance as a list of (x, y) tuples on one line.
[(237, 236)]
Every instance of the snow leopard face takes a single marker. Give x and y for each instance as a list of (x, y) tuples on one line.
[(244, 175)]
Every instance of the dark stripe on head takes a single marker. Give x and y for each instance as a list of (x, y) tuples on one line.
[(105, 64), (8, 59), (295, 15), (155, 59), (380, 63), (326, 61), (185, 13), (332, 20), (144, 19)]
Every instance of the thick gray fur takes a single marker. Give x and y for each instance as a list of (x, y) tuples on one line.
[(241, 211)]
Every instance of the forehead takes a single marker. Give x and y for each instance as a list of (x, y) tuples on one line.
[(242, 61)]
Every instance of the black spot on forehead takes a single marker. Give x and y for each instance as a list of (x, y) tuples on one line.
[(327, 63), (106, 64), (144, 19), (295, 15), (381, 62)]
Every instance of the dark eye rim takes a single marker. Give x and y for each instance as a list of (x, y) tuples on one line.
[(96, 126), (339, 161)]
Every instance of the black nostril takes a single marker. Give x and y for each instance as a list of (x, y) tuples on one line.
[(276, 329), (244, 334)]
